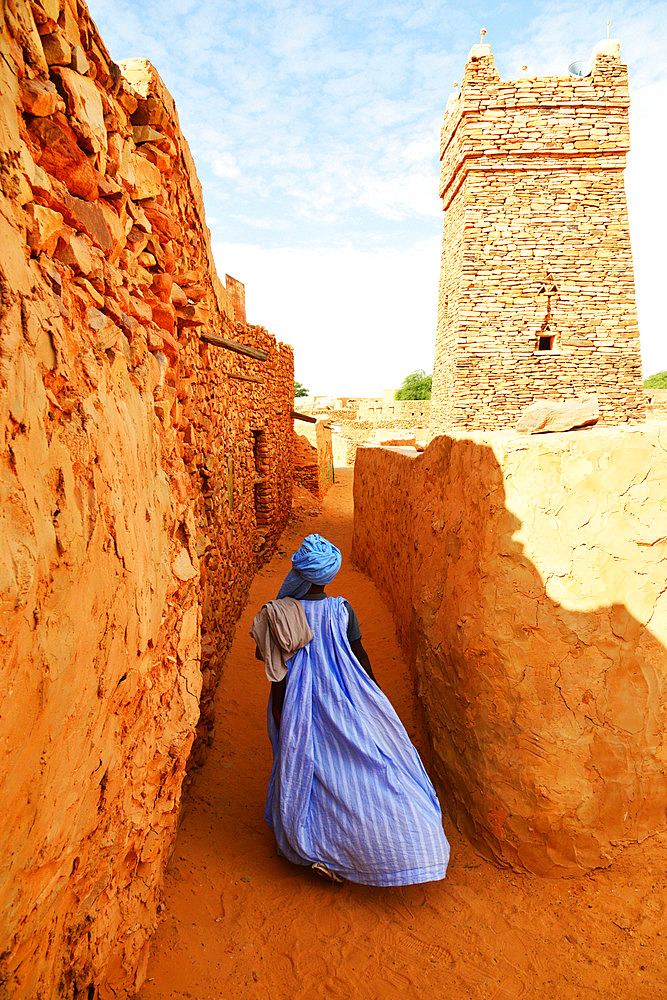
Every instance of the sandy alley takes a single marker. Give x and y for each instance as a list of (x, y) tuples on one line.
[(240, 922)]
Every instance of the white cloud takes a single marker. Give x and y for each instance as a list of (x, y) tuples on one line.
[(359, 321), (224, 165), (316, 126)]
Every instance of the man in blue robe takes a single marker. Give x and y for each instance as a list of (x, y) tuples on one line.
[(348, 794)]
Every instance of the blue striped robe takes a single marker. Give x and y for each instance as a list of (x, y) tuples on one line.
[(347, 786)]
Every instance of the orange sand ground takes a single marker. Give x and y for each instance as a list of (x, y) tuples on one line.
[(240, 922)]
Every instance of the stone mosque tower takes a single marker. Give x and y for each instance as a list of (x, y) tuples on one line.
[(537, 295)]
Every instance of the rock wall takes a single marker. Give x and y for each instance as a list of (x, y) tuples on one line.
[(528, 579), (306, 468), (359, 421), (368, 412), (656, 404), (313, 458), (132, 518), (536, 295)]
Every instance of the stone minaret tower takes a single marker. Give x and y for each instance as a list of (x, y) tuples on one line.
[(536, 287)]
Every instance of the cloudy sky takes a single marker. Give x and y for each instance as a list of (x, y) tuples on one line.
[(315, 130)]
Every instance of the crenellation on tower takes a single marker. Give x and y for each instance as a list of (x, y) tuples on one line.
[(536, 288)]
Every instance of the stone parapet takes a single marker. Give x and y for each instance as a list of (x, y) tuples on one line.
[(528, 580)]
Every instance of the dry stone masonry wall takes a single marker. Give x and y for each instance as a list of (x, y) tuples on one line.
[(528, 581), (131, 518), (314, 458), (357, 421), (536, 293)]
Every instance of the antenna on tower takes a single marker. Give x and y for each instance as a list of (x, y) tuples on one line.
[(608, 23), (481, 35)]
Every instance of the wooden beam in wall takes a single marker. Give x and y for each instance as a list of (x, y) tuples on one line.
[(303, 416), (233, 345)]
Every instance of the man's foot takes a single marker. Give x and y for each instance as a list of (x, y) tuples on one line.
[(325, 872)]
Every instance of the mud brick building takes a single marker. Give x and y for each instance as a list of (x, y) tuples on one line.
[(536, 293)]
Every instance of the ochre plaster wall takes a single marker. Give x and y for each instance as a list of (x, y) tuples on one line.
[(130, 522), (528, 578)]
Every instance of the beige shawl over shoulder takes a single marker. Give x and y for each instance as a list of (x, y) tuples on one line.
[(280, 629)]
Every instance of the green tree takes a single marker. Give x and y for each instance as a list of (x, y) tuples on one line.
[(299, 390), (417, 385), (657, 381)]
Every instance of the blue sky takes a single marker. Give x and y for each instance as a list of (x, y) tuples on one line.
[(315, 129)]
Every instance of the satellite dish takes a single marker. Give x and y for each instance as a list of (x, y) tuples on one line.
[(580, 68)]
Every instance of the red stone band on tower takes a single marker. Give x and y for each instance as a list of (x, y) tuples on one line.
[(537, 295)]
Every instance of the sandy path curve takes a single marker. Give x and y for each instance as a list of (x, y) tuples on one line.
[(240, 922)]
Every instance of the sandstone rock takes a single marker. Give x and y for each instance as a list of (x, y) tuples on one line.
[(69, 24), (139, 309), (147, 178), (45, 11), (136, 240), (117, 152), (162, 285), (127, 100), (559, 415), (195, 315), (89, 217), (149, 111), (61, 156), (39, 97), (20, 17), (76, 255), (79, 62), (116, 228), (140, 218), (107, 333), (182, 566), (91, 293), (85, 107), (178, 297), (46, 226), (195, 292), (162, 221), (144, 133), (108, 187), (163, 315), (161, 160), (57, 50), (147, 259)]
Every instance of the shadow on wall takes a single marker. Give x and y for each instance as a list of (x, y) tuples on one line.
[(545, 715)]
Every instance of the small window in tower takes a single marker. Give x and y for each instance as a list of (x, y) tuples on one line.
[(545, 342)]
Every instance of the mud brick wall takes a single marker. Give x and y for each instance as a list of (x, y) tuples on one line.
[(130, 526), (528, 580), (536, 247)]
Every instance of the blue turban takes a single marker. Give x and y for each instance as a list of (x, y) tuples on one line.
[(317, 561)]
